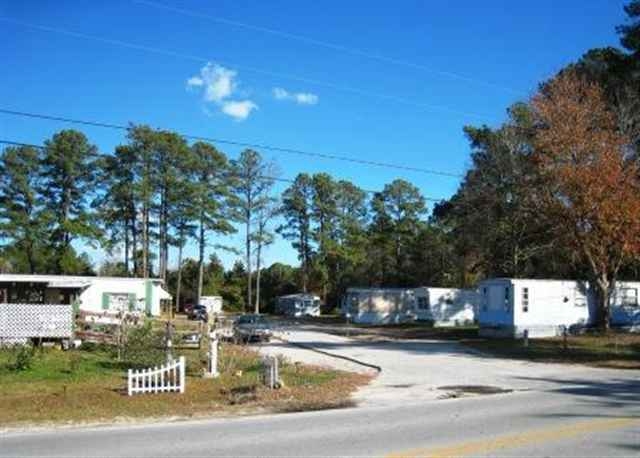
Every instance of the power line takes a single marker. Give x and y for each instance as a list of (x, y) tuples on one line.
[(238, 143), (192, 57), (325, 44), (268, 177)]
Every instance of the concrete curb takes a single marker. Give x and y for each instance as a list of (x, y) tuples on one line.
[(332, 355)]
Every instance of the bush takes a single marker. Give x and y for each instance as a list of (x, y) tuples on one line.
[(22, 357), (92, 347), (75, 360), (144, 347)]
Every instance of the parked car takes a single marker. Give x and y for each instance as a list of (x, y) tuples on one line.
[(252, 328), (199, 312), (187, 308)]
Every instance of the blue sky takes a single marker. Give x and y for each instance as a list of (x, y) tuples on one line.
[(383, 81)]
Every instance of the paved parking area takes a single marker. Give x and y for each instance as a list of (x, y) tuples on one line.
[(418, 369)]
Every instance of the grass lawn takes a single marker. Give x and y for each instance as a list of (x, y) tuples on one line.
[(612, 350), (90, 386)]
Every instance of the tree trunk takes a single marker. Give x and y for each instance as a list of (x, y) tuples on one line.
[(31, 258), (145, 241), (201, 244), (179, 286), (164, 237), (134, 241), (257, 304), (303, 258), (126, 249), (603, 307), (248, 255)]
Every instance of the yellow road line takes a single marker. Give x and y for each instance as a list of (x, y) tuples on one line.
[(519, 439)]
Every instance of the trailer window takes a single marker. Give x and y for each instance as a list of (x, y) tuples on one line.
[(485, 299), (423, 303), (506, 298), (525, 299), (629, 297), (579, 299)]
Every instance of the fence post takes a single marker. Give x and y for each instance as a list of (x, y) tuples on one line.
[(182, 370), (212, 363), (270, 371), (526, 338), (130, 382)]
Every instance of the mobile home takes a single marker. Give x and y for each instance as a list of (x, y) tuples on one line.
[(298, 305), (213, 304), (446, 306), (91, 294), (379, 305), (544, 308)]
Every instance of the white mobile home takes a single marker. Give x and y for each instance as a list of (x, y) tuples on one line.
[(92, 294), (298, 305), (379, 305), (446, 306), (213, 304), (509, 306)]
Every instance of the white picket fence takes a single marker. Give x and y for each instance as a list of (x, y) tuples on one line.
[(166, 378)]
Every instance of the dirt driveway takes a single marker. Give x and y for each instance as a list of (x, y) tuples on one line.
[(422, 369)]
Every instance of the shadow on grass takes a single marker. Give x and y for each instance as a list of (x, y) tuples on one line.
[(607, 355)]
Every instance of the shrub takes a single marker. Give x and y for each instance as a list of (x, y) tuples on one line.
[(144, 347), (75, 360), (22, 357)]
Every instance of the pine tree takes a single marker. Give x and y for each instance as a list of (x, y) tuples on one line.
[(211, 196), (251, 184), (297, 211), (68, 183), (22, 225)]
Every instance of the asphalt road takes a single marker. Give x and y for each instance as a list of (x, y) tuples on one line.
[(576, 418), (553, 410)]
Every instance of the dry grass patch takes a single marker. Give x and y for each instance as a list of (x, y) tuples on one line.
[(89, 386), (617, 350)]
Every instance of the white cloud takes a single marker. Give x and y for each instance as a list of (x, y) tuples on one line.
[(238, 109), (280, 94), (218, 85), (301, 98), (195, 81), (306, 98)]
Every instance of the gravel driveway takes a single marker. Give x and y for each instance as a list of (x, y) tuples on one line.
[(419, 369)]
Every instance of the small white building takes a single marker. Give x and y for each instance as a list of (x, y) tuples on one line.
[(213, 304), (446, 306), (379, 305), (91, 294), (509, 306), (298, 305)]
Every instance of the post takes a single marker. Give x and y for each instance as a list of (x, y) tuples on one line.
[(130, 382), (182, 370), (168, 335), (525, 336), (270, 375), (565, 335), (347, 316), (212, 364)]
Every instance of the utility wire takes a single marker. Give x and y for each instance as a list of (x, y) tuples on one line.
[(155, 50), (325, 44), (239, 143), (268, 177)]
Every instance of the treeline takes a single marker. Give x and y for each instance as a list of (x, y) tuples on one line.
[(157, 192), (552, 192)]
